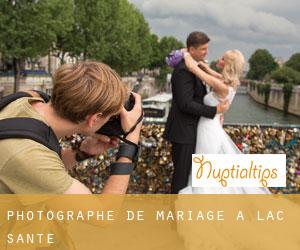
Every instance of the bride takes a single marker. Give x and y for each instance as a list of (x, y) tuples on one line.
[(211, 137)]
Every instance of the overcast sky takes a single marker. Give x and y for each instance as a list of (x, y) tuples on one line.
[(240, 24)]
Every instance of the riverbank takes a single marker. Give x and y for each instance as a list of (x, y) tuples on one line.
[(1, 92), (276, 97), (245, 110)]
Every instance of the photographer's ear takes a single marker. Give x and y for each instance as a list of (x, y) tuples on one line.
[(94, 119)]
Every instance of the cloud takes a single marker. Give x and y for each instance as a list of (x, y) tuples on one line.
[(268, 23), (227, 14)]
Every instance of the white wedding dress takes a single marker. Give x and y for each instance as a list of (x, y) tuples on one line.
[(230, 233), (212, 139)]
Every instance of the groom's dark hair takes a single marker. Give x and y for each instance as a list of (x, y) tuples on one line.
[(196, 38)]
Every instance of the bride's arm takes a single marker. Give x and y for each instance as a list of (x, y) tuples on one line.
[(218, 85), (209, 70)]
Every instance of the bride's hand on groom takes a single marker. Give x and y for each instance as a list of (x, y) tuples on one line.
[(190, 63), (223, 107), (183, 50), (203, 66), (193, 65), (222, 119)]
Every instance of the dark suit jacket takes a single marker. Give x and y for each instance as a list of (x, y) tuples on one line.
[(187, 106)]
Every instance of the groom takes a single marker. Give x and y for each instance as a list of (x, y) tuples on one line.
[(187, 107)]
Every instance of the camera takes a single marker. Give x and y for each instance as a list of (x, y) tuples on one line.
[(113, 126)]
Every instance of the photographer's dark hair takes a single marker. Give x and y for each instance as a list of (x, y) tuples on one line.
[(196, 39)]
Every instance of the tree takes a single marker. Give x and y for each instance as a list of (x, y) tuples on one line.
[(213, 65), (266, 92), (155, 57), (129, 38), (287, 93), (144, 41), (166, 45), (261, 63), (160, 48), (286, 75), (63, 39), (29, 27), (294, 62), (92, 22)]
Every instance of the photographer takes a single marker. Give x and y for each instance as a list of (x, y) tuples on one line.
[(85, 96)]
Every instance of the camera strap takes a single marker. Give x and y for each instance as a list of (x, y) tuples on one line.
[(28, 128), (123, 137)]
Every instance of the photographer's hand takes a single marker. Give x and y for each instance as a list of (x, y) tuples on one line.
[(129, 119), (98, 144), (117, 184), (92, 145)]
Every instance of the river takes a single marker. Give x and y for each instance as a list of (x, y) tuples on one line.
[(245, 110)]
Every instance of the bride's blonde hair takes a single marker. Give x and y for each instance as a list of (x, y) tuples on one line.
[(233, 68)]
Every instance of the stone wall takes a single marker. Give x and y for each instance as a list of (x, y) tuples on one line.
[(276, 98), (145, 85), (43, 83), (1, 92)]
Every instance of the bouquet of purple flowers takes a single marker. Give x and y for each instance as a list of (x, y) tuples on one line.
[(174, 58)]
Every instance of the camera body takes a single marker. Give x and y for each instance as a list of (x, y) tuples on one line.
[(113, 126)]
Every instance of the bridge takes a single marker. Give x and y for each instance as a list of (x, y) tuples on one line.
[(154, 170)]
